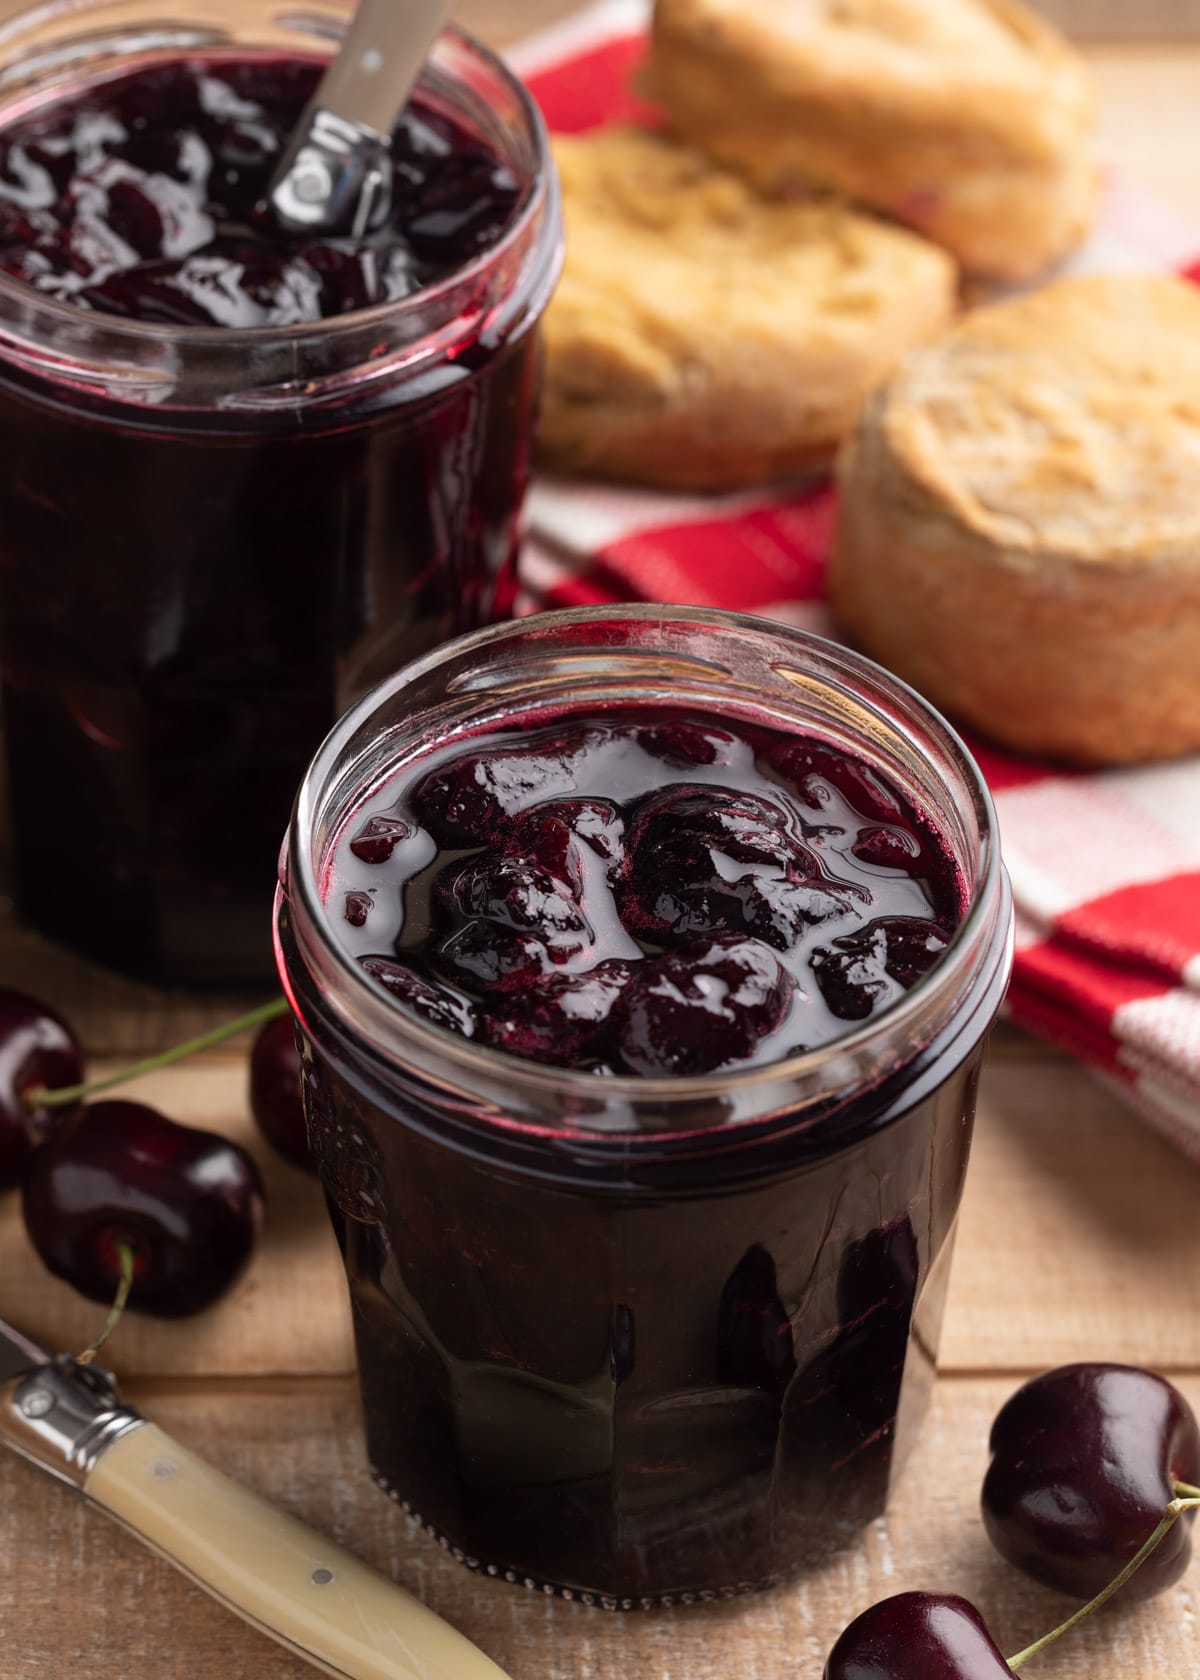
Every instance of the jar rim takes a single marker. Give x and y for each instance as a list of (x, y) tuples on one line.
[(62, 320), (945, 985)]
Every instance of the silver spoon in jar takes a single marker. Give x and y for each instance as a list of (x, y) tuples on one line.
[(335, 175)]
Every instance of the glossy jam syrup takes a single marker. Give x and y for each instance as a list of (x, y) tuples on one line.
[(141, 198), (668, 896), (192, 591)]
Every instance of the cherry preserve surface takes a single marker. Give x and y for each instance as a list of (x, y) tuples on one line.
[(662, 898), (635, 1377), (190, 595)]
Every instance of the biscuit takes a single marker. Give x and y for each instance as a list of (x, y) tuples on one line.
[(969, 120), (1019, 534), (703, 338)]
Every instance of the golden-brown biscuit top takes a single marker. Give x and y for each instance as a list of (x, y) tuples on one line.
[(1067, 420), (670, 258), (972, 66)]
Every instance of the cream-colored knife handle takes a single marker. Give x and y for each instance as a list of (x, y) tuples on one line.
[(282, 1577)]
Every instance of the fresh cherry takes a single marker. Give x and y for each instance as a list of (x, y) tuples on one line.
[(188, 1204), (1084, 1464), (276, 1101), (918, 1636), (37, 1050)]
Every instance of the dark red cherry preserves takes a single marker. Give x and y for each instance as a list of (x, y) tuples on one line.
[(140, 198), (652, 895), (243, 543)]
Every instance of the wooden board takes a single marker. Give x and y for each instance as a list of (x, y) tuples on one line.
[(93, 1602)]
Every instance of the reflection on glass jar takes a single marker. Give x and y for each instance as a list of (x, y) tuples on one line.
[(643, 1339), (215, 538)]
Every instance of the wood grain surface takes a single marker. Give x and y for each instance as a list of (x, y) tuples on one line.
[(1079, 1238)]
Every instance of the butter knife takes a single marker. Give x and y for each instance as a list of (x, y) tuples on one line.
[(283, 1578)]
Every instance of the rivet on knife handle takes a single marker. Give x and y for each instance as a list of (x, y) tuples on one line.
[(281, 1576)]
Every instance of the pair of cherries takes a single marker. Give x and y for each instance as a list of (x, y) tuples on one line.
[(107, 1183), (1092, 1467)]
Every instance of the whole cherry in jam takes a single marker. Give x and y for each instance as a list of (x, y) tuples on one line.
[(566, 1019), (424, 997), (703, 861), (276, 1099), (186, 1202), (650, 893), (702, 1006), (38, 1050), (1085, 1461), (918, 1636)]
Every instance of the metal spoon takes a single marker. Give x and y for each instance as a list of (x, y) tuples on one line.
[(335, 175)]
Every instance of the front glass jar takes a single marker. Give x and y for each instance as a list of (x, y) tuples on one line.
[(213, 539), (642, 1340)]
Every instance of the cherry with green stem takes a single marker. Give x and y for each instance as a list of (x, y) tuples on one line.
[(933, 1636), (1093, 1468), (128, 1262), (114, 1193), (67, 1096), (38, 1051), (1085, 1461), (119, 1177)]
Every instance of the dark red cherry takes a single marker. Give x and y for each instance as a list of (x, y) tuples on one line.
[(918, 1636), (551, 833), (890, 848), (818, 772), (1083, 1465), (461, 211), (681, 742), (189, 1204), (702, 1007), (701, 860), (473, 798), (379, 836), (37, 1048), (516, 892), (433, 1003), (861, 971), (276, 1101), (485, 956), (564, 1020)]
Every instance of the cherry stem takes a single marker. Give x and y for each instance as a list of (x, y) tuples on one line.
[(1175, 1510), (64, 1095), (127, 1257), (1183, 1490)]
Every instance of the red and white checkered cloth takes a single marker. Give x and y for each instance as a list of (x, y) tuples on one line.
[(1105, 867)]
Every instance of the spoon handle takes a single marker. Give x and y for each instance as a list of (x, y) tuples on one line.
[(335, 175), (388, 41)]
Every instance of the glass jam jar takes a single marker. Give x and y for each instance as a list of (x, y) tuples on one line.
[(641, 1340), (214, 539)]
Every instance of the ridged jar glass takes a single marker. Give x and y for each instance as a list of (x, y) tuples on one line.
[(552, 1272)]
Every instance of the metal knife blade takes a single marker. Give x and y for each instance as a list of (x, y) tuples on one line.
[(18, 1353)]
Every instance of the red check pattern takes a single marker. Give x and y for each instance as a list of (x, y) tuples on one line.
[(1105, 867)]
